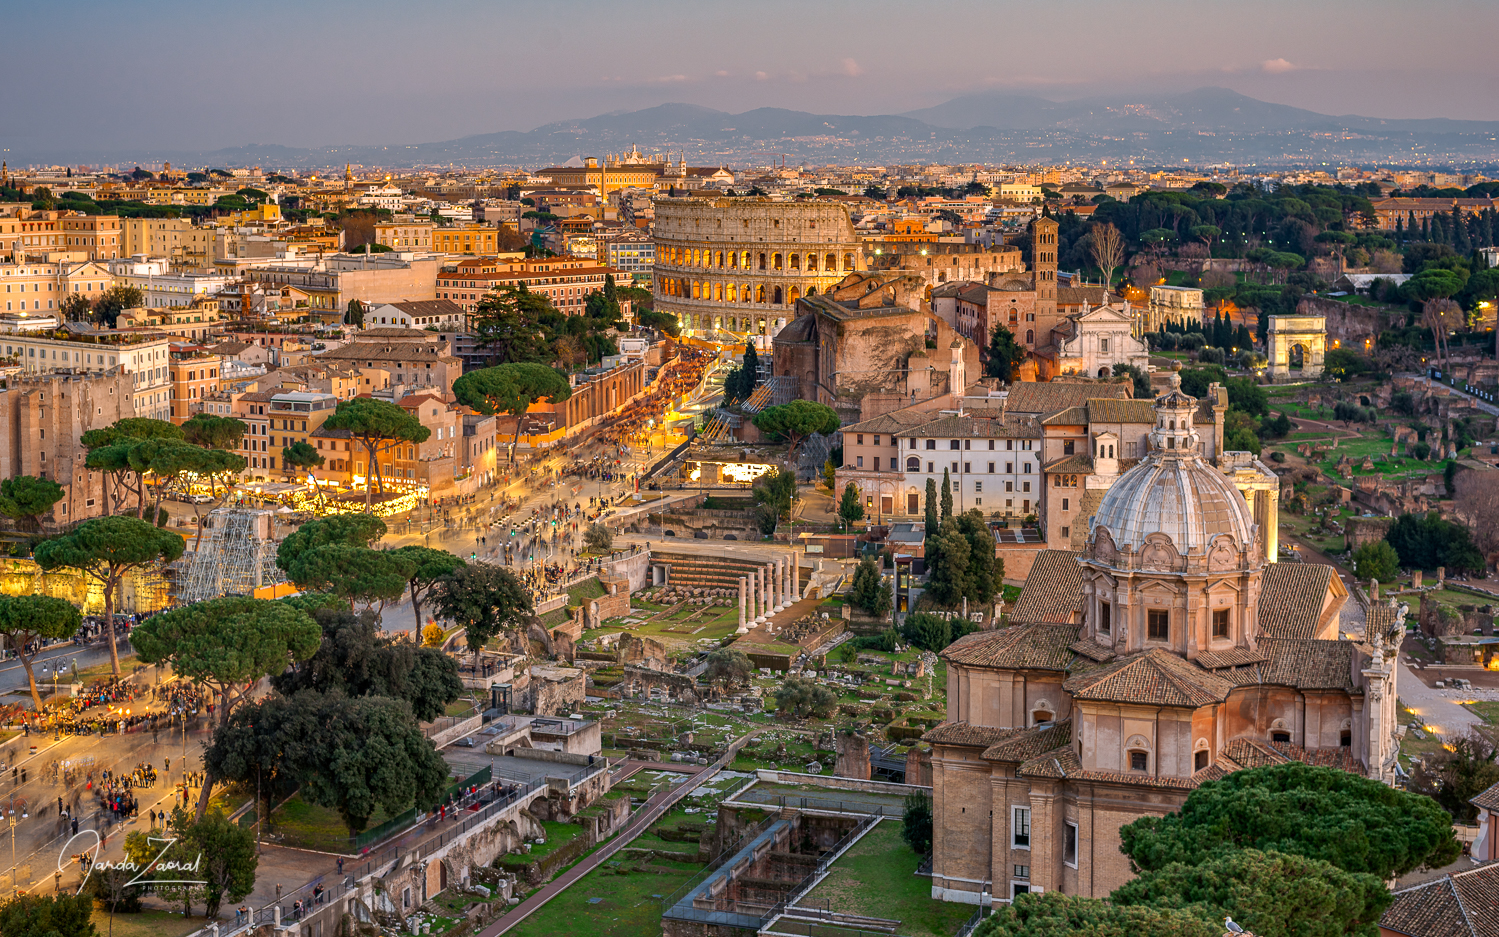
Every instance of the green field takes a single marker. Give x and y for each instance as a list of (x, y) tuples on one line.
[(876, 878), (622, 897)]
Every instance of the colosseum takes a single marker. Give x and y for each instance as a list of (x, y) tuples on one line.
[(740, 264)]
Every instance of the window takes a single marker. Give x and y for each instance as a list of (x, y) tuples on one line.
[(978, 487), (1022, 871), (931, 443), (1105, 613), (1280, 737), (876, 440), (1069, 844), (1220, 623), (1067, 447), (1200, 760), (1103, 345), (1020, 827), (860, 439), (913, 464), (991, 468), (955, 468), (859, 461), (1009, 468), (1065, 502), (931, 466), (1156, 622), (967, 467), (1066, 531), (1025, 486), (1019, 888), (952, 444), (1139, 761), (1345, 739)]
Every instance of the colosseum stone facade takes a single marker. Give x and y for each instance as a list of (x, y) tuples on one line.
[(740, 264)]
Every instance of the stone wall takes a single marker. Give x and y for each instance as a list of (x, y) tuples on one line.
[(1350, 324), (1361, 530)]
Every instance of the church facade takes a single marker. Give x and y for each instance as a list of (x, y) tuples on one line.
[(1166, 653)]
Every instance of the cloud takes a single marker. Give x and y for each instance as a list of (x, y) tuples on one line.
[(721, 73), (851, 68), (668, 79), (762, 76), (1276, 66)]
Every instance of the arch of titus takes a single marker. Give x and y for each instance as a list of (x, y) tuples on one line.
[(1286, 332)]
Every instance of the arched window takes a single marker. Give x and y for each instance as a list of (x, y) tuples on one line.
[(793, 295), (776, 295), (760, 291), (729, 293), (848, 262), (718, 292), (720, 258), (794, 262), (1280, 736), (746, 293), (830, 263), (775, 261), (762, 260), (733, 259), (1030, 336), (697, 257), (811, 291), (746, 260), (811, 263), (913, 464)]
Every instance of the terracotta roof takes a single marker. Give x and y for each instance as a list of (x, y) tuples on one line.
[(961, 733), (1063, 763), (1307, 664), (1053, 589), (1121, 411), (1088, 648), (1253, 753), (1072, 416), (1031, 743), (1488, 800), (1077, 295), (1250, 753), (1155, 677), (1236, 657), (976, 427), (1292, 596), (430, 307), (1075, 464), (1058, 763), (1018, 647), (895, 423), (1031, 397), (1460, 904)]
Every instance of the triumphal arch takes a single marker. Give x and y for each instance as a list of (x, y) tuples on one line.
[(1296, 345)]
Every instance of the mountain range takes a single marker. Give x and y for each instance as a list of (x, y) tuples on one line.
[(1208, 125)]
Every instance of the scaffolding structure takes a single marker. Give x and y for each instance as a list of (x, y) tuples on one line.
[(236, 556)]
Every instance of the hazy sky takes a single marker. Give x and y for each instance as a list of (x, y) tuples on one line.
[(171, 74)]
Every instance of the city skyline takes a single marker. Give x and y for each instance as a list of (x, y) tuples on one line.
[(463, 69)]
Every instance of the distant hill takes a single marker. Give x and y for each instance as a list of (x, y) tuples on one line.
[(1207, 125)]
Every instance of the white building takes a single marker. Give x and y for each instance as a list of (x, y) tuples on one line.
[(161, 288), (143, 354)]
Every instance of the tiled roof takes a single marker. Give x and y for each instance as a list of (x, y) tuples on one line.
[(1075, 295), (1249, 753), (1292, 596), (1053, 589), (1075, 464), (1063, 763), (1018, 647), (1460, 904), (1090, 649), (894, 423), (1307, 664), (1072, 416), (1253, 753), (1235, 657), (1031, 397), (961, 733), (1121, 411), (1059, 763), (976, 427), (1488, 800), (1031, 743), (1154, 677)]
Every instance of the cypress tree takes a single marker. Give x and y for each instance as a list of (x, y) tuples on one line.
[(1425, 229), (931, 508), (1459, 231), (946, 496)]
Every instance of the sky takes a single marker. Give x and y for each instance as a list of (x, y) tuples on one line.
[(171, 74)]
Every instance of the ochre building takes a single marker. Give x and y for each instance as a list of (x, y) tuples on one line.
[(740, 264)]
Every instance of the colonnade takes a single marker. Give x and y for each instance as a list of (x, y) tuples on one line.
[(768, 589)]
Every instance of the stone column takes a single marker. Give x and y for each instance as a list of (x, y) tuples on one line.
[(796, 592), (757, 584), (778, 583), (765, 589), (741, 604)]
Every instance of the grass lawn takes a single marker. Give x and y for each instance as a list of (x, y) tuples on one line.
[(589, 588), (877, 878), (314, 827), (149, 923), (558, 835), (1487, 710), (622, 897)]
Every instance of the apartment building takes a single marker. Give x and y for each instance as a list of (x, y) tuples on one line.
[(143, 355), (405, 235), (413, 359), (439, 313), (435, 464), (200, 321), (195, 380), (176, 239), (330, 282), (162, 288), (31, 233), (38, 287), (473, 238), (566, 281), (630, 254)]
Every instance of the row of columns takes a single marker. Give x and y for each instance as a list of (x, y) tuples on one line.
[(768, 589)]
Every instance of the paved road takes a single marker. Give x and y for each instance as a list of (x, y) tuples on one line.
[(651, 811), (1437, 708)]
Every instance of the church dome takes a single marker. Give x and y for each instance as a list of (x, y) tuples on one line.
[(1174, 491)]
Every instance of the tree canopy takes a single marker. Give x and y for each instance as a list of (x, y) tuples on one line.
[(797, 420), (1426, 541), (484, 600), (358, 530), (1356, 823), (356, 658), (107, 548), (429, 566), (512, 389), (1003, 354), (214, 432), (60, 915), (728, 668), (850, 509), (25, 499), (25, 619), (374, 577), (377, 425)]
